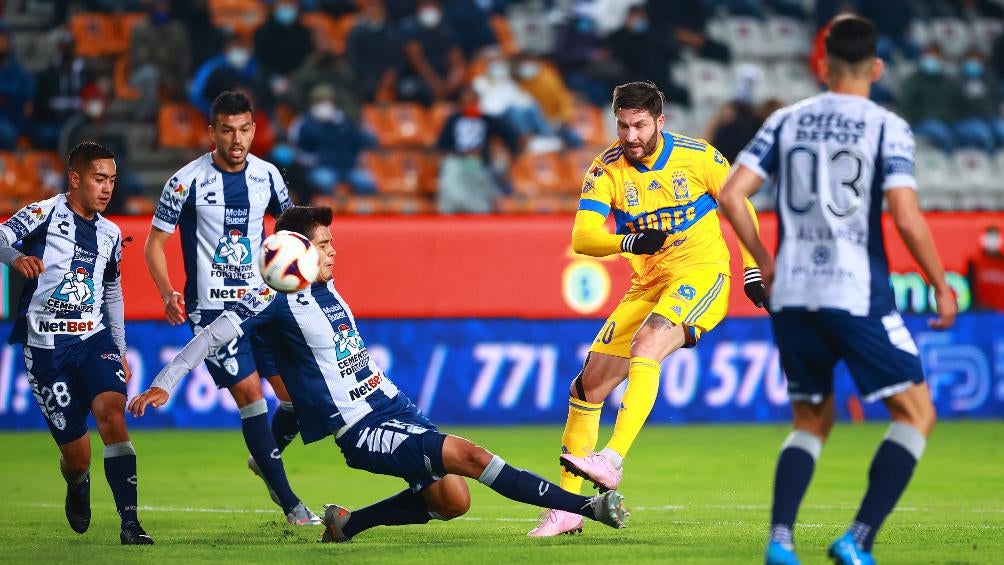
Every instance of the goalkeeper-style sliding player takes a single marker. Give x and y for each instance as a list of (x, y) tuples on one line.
[(661, 188)]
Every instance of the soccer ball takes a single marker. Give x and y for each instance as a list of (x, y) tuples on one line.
[(288, 262)]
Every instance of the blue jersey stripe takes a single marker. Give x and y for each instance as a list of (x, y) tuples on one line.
[(594, 206), (881, 297), (699, 208), (188, 225), (660, 162), (33, 245)]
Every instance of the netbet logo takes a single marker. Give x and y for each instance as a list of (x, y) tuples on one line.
[(365, 388), (227, 294), (65, 326)]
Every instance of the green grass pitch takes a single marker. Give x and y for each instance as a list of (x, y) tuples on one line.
[(698, 494)]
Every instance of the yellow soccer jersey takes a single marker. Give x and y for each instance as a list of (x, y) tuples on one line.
[(674, 190)]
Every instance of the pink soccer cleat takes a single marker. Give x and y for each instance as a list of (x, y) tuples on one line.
[(556, 522), (594, 467)]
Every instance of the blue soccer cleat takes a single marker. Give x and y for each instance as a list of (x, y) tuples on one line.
[(845, 551), (778, 554)]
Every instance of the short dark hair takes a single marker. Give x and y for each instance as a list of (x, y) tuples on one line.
[(639, 96), (86, 151), (229, 103), (304, 219), (851, 39)]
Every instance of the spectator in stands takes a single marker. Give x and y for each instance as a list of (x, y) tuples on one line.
[(542, 81), (159, 59), (935, 107), (584, 59), (17, 90), (235, 67), (997, 63), (205, 40), (686, 21), (737, 121), (893, 17), (90, 124), (281, 45), (374, 51), (57, 95), (644, 54), (329, 145), (466, 180), (470, 24), (981, 102), (333, 70), (501, 97), (986, 271), (434, 61)]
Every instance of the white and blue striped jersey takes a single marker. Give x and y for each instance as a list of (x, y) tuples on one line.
[(313, 336), (833, 157), (222, 221), (65, 304)]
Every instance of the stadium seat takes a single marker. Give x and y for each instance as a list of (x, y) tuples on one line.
[(124, 90), (576, 162), (790, 82), (10, 171), (322, 26), (538, 173), (240, 16), (409, 125), (181, 126), (788, 38), (977, 177), (43, 167), (936, 179), (401, 172), (437, 116), (985, 32), (409, 204), (93, 33), (710, 83), (122, 26), (952, 35), (746, 38), (678, 120), (588, 124), (504, 35)]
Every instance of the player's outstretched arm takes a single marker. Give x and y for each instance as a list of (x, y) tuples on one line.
[(912, 228), (590, 237), (28, 266), (156, 262), (733, 200), (223, 330)]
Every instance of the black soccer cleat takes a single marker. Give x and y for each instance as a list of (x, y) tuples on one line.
[(78, 505), (134, 534)]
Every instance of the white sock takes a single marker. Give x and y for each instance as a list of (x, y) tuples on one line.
[(613, 457)]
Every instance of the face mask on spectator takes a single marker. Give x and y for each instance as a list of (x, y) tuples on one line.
[(528, 70), (498, 70), (94, 109), (429, 17), (585, 26), (324, 111), (285, 14), (991, 242), (238, 57), (930, 64), (972, 68), (639, 25)]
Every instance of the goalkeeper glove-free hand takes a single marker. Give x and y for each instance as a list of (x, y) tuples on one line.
[(645, 242), (753, 287)]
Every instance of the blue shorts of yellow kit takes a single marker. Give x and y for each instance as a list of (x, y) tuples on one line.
[(698, 300)]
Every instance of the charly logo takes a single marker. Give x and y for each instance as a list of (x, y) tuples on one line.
[(233, 249), (681, 191), (631, 193), (77, 288)]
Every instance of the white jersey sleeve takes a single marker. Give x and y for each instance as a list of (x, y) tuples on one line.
[(27, 220), (897, 154), (173, 198)]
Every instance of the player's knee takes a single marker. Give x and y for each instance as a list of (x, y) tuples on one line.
[(74, 465), (455, 505)]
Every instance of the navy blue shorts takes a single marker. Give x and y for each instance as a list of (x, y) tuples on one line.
[(233, 362), (65, 382), (879, 351), (400, 442)]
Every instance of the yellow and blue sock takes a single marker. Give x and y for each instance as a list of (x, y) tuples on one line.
[(636, 405)]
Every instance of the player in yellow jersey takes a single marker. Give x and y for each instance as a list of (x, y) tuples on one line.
[(661, 188)]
